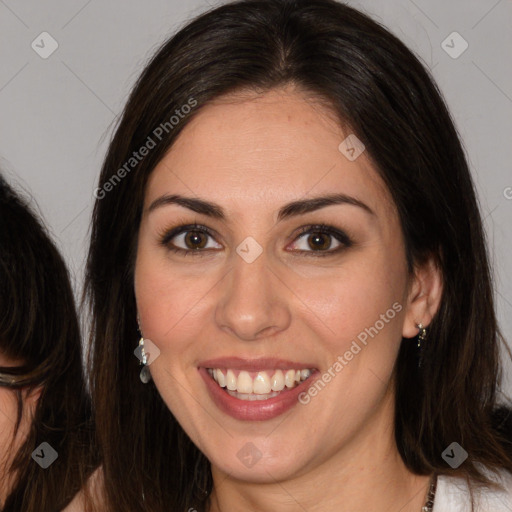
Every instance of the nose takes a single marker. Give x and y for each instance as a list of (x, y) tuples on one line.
[(254, 301)]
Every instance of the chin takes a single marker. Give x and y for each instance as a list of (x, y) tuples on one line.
[(258, 459)]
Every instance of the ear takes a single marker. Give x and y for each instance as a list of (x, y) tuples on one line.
[(30, 398), (424, 297)]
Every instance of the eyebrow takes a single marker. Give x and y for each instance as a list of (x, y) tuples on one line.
[(292, 209)]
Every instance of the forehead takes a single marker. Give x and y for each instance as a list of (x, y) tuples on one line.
[(262, 150)]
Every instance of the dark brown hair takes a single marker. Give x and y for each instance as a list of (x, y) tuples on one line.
[(39, 326), (384, 94)]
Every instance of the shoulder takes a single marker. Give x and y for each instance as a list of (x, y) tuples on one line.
[(91, 494), (453, 494)]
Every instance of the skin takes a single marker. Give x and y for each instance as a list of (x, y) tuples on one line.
[(91, 496), (252, 154), (11, 441)]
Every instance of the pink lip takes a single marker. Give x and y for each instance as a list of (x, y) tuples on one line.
[(258, 410), (253, 365)]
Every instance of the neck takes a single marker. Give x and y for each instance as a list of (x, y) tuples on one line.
[(365, 474)]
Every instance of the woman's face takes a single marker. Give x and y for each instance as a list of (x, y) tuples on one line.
[(10, 441), (257, 299), (8, 416)]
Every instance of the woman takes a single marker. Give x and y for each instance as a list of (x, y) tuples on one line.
[(46, 437), (286, 234)]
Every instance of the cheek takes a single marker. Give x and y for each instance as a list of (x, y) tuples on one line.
[(7, 406), (168, 299), (356, 297), (361, 311), (8, 416)]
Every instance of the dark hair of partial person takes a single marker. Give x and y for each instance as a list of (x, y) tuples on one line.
[(39, 326), (381, 92)]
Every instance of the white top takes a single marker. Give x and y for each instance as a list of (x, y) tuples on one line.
[(452, 495)]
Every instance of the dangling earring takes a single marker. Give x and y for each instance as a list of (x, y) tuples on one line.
[(422, 336), (144, 359), (145, 374)]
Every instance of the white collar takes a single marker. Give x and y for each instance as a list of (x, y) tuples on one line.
[(452, 495)]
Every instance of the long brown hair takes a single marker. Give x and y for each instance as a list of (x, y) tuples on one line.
[(39, 326), (389, 100)]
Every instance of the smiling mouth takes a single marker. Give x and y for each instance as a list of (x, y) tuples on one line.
[(261, 385)]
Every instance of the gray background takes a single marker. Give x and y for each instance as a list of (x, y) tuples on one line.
[(57, 114)]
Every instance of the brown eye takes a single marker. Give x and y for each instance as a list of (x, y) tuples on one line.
[(195, 240), (320, 241), (191, 239), (320, 238)]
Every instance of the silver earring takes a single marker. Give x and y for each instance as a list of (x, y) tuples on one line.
[(145, 374), (144, 360), (422, 335)]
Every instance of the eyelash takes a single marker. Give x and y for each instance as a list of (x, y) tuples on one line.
[(340, 236)]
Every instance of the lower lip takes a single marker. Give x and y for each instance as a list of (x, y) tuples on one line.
[(257, 410)]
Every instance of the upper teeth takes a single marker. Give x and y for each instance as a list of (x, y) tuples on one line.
[(262, 383)]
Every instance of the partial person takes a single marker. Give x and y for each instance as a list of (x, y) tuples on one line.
[(47, 447), (296, 255)]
